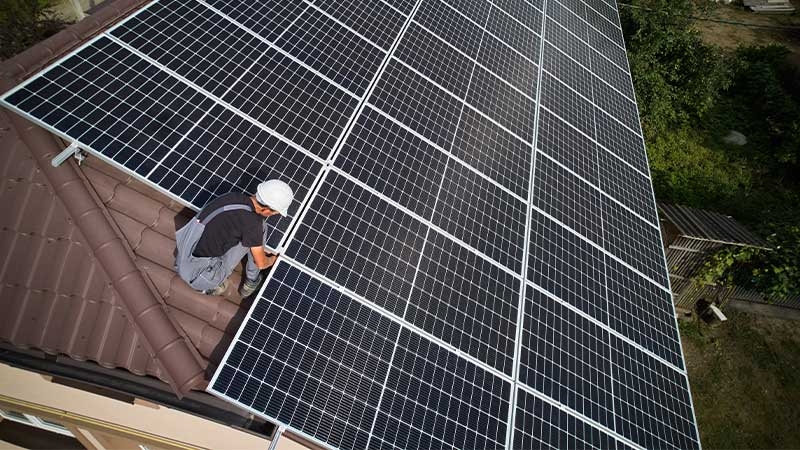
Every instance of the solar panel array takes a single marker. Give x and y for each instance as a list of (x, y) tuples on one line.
[(475, 258)]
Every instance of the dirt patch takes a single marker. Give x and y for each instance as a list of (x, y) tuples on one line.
[(745, 380), (730, 36)]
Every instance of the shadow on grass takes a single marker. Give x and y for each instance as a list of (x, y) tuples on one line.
[(745, 380)]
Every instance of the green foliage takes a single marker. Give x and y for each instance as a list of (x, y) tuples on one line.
[(24, 23), (777, 272), (773, 272), (764, 104), (685, 171), (730, 266), (677, 77), (690, 95)]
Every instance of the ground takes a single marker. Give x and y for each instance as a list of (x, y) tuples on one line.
[(745, 381), (745, 374), (729, 36)]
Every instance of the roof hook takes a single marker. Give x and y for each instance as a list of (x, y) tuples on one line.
[(72, 150)]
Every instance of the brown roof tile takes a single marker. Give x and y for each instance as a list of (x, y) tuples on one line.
[(54, 288), (54, 294)]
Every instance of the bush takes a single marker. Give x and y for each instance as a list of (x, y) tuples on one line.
[(677, 77), (690, 95), (685, 171), (23, 23)]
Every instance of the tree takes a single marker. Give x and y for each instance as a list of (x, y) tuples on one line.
[(23, 23), (690, 95), (677, 77)]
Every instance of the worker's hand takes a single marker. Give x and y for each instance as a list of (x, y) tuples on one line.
[(270, 259)]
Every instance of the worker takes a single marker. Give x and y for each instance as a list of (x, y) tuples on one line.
[(211, 245)]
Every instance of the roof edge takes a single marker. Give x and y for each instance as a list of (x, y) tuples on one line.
[(162, 337), (21, 66), (149, 314)]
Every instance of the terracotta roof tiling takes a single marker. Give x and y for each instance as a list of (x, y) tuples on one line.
[(54, 295), (53, 291), (87, 252)]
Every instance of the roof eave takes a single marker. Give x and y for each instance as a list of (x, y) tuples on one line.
[(164, 339)]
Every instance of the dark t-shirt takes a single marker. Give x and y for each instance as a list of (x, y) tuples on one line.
[(230, 227)]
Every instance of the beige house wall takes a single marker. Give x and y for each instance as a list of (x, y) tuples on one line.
[(116, 424)]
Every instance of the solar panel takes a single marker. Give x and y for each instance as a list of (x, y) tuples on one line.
[(474, 260)]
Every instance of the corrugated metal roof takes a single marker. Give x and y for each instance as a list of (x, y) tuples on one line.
[(701, 224)]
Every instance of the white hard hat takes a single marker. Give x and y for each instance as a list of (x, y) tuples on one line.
[(276, 195)]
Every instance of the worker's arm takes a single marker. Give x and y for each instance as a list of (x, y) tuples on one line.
[(261, 258)]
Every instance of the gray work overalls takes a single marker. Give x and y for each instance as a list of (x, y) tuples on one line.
[(207, 272)]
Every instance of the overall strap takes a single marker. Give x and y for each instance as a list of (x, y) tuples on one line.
[(222, 209)]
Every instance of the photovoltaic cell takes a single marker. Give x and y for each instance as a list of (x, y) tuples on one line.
[(509, 107), (293, 101), (567, 19), (133, 119), (634, 241), (452, 27), (434, 399), (567, 199), (267, 18), (615, 104), (612, 74), (653, 405), (567, 266), (406, 129), (475, 11), (528, 13), (570, 148), (466, 301), (541, 425), (227, 153), (507, 64), (566, 357), (560, 37), (621, 141), (418, 103), (328, 47), (494, 151), (597, 21), (193, 41), (312, 358), (515, 34), (404, 6), (568, 71), (605, 9), (576, 7), (361, 242), (393, 161), (628, 186), (482, 215), (568, 105), (362, 15), (438, 61), (642, 312), (608, 48)]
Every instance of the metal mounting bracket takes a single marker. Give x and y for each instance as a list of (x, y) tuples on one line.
[(276, 436), (72, 150)]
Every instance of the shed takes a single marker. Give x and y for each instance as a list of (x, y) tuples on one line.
[(690, 236)]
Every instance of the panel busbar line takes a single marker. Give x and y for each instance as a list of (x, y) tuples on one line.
[(475, 261), (311, 358)]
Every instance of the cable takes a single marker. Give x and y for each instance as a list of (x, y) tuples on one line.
[(729, 22)]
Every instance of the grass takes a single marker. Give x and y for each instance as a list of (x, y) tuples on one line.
[(745, 381)]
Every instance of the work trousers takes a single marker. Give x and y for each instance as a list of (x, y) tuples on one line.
[(207, 272)]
